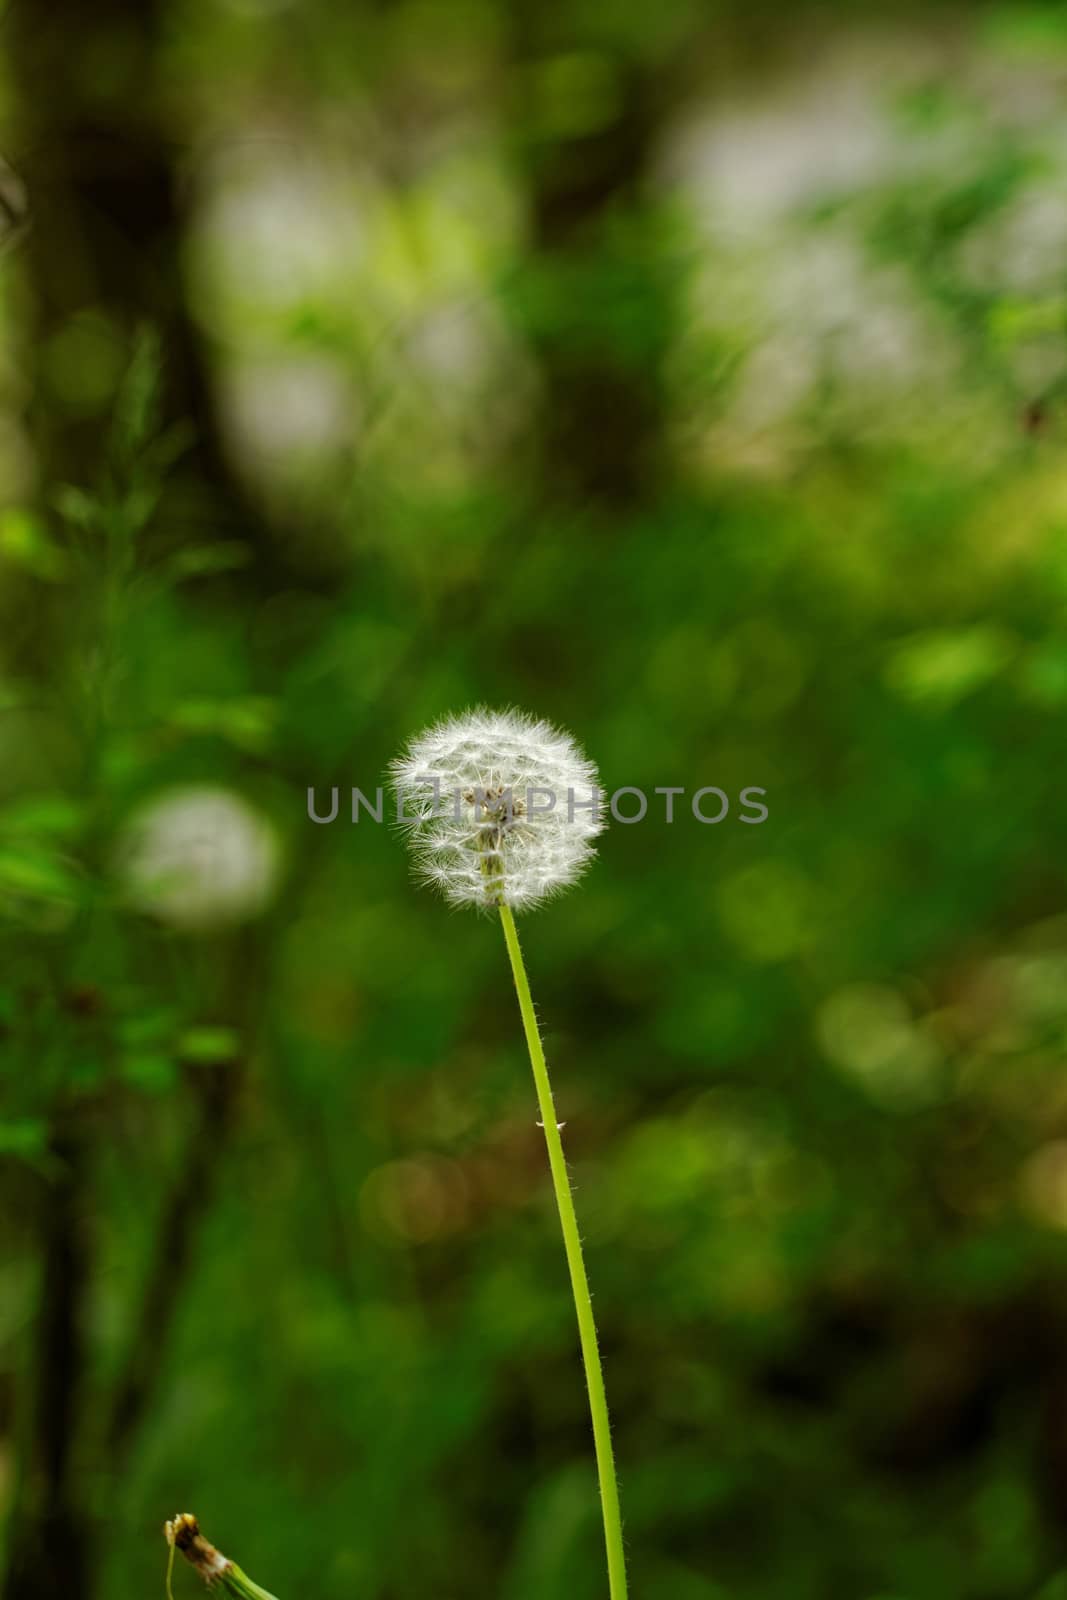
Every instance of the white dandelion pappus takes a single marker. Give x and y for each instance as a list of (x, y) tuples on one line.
[(501, 807)]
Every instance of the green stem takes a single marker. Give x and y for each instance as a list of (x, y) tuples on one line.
[(238, 1584), (572, 1243)]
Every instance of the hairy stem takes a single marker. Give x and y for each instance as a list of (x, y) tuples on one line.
[(572, 1243)]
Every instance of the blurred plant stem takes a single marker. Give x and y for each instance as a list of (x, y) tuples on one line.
[(572, 1243), (213, 1090), (47, 1549), (217, 1571)]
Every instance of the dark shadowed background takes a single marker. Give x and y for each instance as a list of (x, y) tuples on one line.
[(693, 376)]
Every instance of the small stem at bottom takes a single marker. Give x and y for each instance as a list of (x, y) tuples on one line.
[(183, 1533), (572, 1244)]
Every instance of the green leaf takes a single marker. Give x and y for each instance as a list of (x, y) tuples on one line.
[(1012, 320), (38, 875), (24, 542), (943, 666), (150, 1070), (76, 506), (54, 814), (146, 1027), (23, 1136), (209, 1044), (247, 722), (203, 560), (138, 506), (136, 414)]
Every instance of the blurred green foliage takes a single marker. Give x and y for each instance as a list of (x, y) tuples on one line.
[(696, 381)]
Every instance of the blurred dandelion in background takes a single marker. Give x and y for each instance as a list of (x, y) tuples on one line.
[(199, 858)]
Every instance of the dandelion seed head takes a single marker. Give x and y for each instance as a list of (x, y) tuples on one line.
[(475, 796)]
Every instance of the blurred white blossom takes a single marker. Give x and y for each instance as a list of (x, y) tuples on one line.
[(198, 857)]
